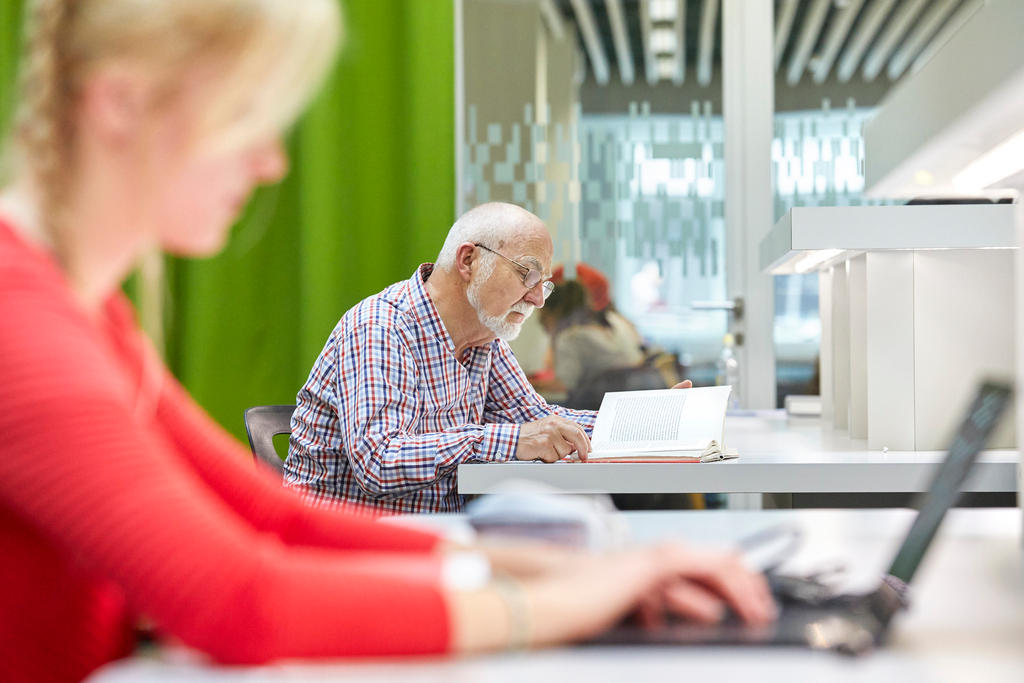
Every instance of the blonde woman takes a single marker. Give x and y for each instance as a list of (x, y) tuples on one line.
[(147, 123)]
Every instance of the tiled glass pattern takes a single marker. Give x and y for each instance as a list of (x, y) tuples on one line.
[(531, 163), (652, 216)]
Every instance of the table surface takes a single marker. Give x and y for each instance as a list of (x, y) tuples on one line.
[(777, 455), (966, 621)]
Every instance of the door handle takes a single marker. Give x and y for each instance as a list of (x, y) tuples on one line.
[(734, 306)]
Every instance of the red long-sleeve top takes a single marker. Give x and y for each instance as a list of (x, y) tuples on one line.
[(121, 500)]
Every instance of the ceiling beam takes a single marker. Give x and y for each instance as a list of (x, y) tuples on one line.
[(809, 33), (901, 19), (834, 39), (553, 19), (620, 38), (706, 41), (592, 41), (680, 76), (861, 38), (919, 35), (783, 27), (650, 64)]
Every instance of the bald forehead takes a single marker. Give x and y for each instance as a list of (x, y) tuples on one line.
[(511, 219), (534, 250), (525, 237), (533, 231)]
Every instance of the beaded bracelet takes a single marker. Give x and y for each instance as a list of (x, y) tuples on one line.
[(514, 597)]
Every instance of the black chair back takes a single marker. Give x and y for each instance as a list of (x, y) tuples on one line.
[(262, 424)]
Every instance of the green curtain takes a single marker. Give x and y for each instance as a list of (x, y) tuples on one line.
[(10, 45), (370, 195)]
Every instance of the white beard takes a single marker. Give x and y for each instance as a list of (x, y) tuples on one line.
[(498, 324)]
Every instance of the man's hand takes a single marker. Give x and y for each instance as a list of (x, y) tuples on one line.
[(685, 384), (551, 438)]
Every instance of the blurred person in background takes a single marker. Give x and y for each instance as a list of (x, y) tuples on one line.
[(599, 297), (587, 342), (594, 281), (146, 124), (593, 346)]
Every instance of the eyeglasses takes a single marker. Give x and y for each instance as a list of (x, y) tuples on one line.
[(531, 276)]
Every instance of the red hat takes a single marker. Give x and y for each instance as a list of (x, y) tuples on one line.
[(591, 278)]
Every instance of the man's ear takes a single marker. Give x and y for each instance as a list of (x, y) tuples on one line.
[(465, 260), (113, 103)]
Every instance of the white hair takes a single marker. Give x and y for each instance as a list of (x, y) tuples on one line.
[(492, 225)]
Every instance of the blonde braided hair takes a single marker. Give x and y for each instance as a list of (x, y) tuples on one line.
[(41, 127)]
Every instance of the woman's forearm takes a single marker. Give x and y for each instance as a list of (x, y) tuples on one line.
[(553, 608)]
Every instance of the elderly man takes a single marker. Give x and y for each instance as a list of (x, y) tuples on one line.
[(419, 378)]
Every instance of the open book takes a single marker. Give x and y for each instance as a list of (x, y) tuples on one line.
[(663, 425)]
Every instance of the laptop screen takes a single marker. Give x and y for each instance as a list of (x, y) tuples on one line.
[(981, 419)]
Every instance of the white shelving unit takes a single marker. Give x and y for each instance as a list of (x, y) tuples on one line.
[(814, 230), (915, 303)]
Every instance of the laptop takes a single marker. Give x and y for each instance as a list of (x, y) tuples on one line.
[(811, 615)]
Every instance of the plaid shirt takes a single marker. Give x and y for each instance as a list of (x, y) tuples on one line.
[(388, 412)]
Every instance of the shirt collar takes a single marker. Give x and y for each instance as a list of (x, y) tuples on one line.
[(423, 307)]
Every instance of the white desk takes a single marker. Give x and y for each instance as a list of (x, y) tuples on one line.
[(966, 622), (777, 455)]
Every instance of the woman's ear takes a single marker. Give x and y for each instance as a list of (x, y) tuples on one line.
[(113, 102)]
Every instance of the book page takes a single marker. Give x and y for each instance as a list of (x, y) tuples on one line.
[(642, 417), (660, 420)]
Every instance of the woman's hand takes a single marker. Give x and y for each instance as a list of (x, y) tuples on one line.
[(597, 591), (685, 384), (705, 585)]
